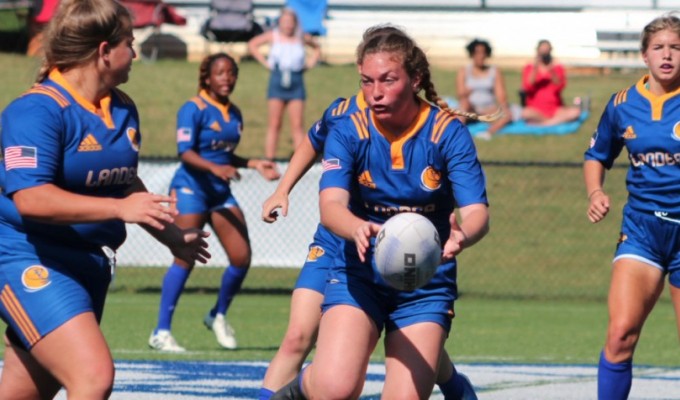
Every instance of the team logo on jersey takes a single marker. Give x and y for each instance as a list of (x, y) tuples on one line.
[(90, 143), (676, 131), (315, 252), (134, 137), (183, 135), (35, 278), (629, 134), (216, 126), (431, 179), (366, 179)]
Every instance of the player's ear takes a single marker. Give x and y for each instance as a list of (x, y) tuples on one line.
[(104, 49)]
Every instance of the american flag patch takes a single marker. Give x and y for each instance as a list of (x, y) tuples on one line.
[(21, 157), (183, 135), (329, 165)]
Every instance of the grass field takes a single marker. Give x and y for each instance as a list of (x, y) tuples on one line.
[(533, 291)]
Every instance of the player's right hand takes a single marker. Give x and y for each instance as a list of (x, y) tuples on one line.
[(147, 208), (362, 237), (226, 172), (269, 207), (598, 207)]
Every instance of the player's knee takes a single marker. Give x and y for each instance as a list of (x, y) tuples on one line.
[(621, 339), (329, 387), (296, 341), (94, 382)]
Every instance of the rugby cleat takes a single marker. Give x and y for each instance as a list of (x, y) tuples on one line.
[(163, 341), (224, 333)]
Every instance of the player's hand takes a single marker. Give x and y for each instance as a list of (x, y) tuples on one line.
[(454, 245), (598, 207), (226, 172), (151, 209), (362, 237), (192, 247), (269, 207), (268, 169)]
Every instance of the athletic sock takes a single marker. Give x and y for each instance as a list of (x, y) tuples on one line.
[(232, 278), (452, 389), (265, 394), (614, 380), (173, 285)]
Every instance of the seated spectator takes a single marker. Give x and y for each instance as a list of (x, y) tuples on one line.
[(542, 83), (481, 89)]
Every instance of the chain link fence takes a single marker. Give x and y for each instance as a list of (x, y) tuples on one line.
[(541, 244)]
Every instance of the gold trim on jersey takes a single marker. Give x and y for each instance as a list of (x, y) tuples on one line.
[(51, 92), (441, 121), (224, 108), (621, 97), (104, 109), (655, 102), (361, 124), (19, 315), (397, 143), (199, 103)]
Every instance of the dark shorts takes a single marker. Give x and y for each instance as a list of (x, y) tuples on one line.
[(277, 89)]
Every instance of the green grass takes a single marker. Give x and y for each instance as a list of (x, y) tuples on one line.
[(534, 290)]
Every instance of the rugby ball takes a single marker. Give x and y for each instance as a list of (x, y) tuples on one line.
[(407, 251)]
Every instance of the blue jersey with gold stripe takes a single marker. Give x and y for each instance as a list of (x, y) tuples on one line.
[(648, 126), (213, 131), (430, 170), (74, 146)]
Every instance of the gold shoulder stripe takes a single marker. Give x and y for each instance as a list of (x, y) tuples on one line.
[(440, 127), (360, 124), (621, 97), (51, 92), (341, 108), (14, 308), (199, 102)]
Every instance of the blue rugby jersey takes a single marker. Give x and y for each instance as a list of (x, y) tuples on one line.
[(213, 131), (648, 126), (51, 135), (430, 170)]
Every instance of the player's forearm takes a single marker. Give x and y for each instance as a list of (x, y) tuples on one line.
[(474, 223), (195, 161), (49, 203), (302, 160), (593, 175), (339, 219)]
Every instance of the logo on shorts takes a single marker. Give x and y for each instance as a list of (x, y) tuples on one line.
[(35, 277), (315, 253)]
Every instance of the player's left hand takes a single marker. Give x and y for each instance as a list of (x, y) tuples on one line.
[(268, 169), (193, 247), (362, 237)]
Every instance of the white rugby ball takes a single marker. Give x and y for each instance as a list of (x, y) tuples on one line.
[(407, 251)]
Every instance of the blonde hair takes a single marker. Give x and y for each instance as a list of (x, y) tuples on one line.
[(667, 21), (390, 39), (77, 29)]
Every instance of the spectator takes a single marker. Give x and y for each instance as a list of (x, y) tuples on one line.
[(41, 13), (542, 83), (481, 88), (287, 62)]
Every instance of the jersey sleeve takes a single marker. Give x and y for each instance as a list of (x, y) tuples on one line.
[(464, 169), (188, 127), (31, 142), (319, 131), (338, 156), (606, 144)]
